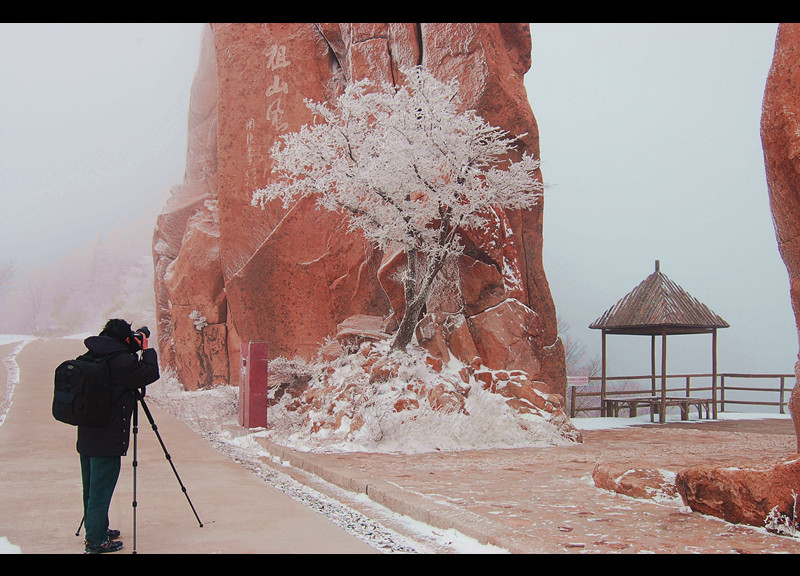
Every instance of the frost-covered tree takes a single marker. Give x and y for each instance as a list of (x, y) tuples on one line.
[(7, 272), (408, 167)]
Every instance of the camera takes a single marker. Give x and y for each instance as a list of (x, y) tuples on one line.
[(135, 342)]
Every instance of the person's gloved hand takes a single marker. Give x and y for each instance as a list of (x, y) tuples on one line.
[(141, 338)]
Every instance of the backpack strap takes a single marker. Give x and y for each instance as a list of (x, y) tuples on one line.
[(104, 359)]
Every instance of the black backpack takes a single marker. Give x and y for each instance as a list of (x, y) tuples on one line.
[(82, 394)]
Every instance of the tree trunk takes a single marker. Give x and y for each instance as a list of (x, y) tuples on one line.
[(405, 331), (415, 302)]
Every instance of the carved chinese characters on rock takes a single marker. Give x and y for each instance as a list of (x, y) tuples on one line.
[(278, 89), (276, 61)]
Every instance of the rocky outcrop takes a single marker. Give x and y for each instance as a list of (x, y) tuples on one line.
[(780, 137), (227, 271), (193, 331)]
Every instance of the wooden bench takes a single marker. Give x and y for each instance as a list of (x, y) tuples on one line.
[(686, 403), (632, 403)]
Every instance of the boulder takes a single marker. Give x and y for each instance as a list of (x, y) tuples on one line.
[(508, 336), (358, 329), (741, 495), (635, 482)]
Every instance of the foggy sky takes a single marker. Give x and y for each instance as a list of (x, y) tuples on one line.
[(649, 139), (92, 130)]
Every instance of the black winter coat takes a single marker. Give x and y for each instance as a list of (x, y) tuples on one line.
[(127, 374)]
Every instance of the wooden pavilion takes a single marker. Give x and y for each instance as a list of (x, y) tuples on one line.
[(659, 307)]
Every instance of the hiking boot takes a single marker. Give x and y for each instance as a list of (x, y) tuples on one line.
[(110, 534), (107, 546)]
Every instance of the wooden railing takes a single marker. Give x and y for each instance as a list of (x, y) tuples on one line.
[(780, 385)]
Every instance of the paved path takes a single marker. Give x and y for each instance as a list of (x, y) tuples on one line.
[(40, 488)]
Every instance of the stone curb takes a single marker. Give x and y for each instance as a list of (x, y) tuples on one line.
[(413, 505)]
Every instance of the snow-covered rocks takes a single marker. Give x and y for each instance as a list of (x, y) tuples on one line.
[(371, 400)]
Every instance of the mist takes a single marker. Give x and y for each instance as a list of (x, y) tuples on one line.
[(93, 132)]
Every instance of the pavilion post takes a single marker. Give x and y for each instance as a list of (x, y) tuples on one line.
[(662, 416), (714, 373), (603, 378), (653, 365)]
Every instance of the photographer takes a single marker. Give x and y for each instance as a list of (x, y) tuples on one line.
[(101, 448)]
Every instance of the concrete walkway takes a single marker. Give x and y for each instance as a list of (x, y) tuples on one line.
[(40, 486)]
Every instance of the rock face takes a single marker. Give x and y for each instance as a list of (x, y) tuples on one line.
[(189, 287), (228, 272), (780, 137)]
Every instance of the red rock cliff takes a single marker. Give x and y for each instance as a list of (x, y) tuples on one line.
[(780, 137), (228, 272)]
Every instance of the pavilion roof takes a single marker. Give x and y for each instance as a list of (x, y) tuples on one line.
[(656, 306)]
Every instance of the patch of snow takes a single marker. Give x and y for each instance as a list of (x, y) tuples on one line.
[(7, 547), (12, 371), (609, 422), (198, 319), (80, 336), (11, 338)]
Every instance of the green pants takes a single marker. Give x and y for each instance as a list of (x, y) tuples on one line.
[(100, 475)]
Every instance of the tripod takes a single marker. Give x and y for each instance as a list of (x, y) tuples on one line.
[(139, 396)]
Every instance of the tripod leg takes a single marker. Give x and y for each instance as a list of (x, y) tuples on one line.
[(168, 457), (135, 464)]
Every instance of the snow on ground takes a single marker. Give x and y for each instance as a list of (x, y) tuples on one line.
[(12, 370), (7, 547), (623, 422)]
